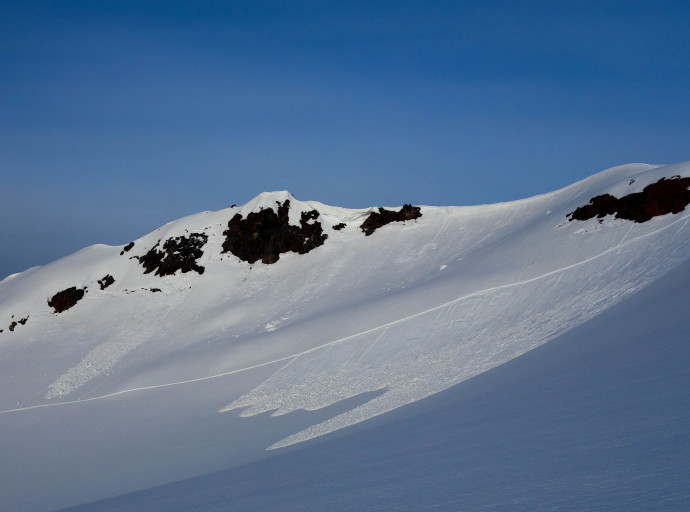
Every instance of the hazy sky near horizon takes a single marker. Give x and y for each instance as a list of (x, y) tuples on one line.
[(119, 116)]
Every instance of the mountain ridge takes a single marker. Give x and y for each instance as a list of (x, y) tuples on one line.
[(376, 321)]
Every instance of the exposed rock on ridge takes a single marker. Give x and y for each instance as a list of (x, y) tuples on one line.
[(377, 219), (265, 235), (664, 196)]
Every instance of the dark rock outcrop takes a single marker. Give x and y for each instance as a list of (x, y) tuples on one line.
[(15, 323), (178, 253), (340, 226), (664, 196), (106, 281), (127, 248), (265, 235), (65, 299), (377, 219)]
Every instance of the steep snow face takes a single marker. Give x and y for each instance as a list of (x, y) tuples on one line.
[(410, 310)]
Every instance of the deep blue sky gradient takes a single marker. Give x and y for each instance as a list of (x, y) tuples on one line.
[(118, 116)]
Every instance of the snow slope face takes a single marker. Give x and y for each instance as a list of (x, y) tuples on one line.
[(596, 419), (409, 311)]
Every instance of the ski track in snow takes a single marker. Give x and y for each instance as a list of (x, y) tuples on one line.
[(360, 414)]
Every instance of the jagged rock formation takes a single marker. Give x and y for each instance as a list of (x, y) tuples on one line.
[(339, 226), (178, 253), (377, 219), (65, 299), (106, 281), (664, 196), (265, 235)]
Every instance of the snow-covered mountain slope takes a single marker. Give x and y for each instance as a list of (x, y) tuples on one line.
[(597, 419), (135, 361)]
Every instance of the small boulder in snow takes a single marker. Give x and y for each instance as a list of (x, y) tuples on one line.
[(64, 300)]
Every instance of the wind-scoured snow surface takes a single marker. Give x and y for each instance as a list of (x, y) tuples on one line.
[(161, 377)]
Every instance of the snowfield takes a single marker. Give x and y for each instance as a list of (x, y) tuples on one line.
[(371, 357)]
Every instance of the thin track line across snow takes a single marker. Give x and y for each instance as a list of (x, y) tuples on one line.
[(356, 335)]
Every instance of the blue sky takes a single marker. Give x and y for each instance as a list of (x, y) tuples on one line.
[(118, 116)]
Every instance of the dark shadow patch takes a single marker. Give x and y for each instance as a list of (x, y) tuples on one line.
[(377, 219), (265, 235), (65, 299), (106, 281), (340, 226), (127, 248), (664, 196), (178, 253)]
